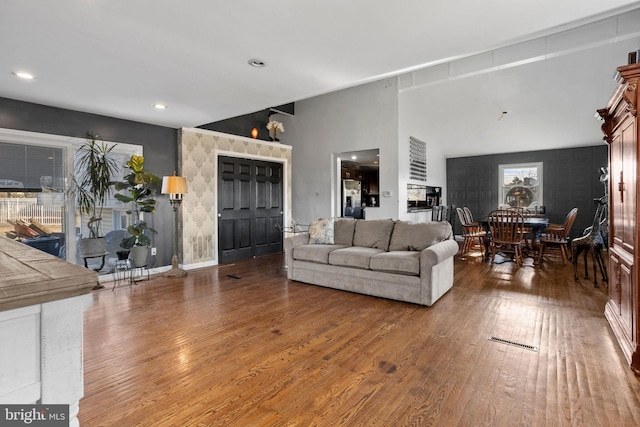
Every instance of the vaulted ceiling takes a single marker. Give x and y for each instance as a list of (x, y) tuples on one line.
[(119, 58)]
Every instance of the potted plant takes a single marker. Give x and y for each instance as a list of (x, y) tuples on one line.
[(275, 127), (95, 167), (141, 186), (138, 243)]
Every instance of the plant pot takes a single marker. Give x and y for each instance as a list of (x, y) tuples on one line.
[(122, 255), (138, 255), (92, 246)]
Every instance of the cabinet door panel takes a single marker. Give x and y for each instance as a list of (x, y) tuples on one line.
[(616, 224), (626, 293), (629, 183), (621, 291), (615, 279)]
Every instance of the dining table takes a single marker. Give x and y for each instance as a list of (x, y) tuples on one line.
[(537, 224)]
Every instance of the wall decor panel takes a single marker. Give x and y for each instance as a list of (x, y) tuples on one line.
[(199, 150)]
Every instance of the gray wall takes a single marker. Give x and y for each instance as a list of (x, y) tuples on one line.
[(159, 144), (360, 118), (571, 178), (242, 125)]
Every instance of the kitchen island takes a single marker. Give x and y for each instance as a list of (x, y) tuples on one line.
[(42, 301)]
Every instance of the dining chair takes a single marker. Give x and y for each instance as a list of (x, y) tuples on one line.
[(451, 215), (472, 232), (469, 216), (506, 229), (557, 236), (438, 213), (528, 231)]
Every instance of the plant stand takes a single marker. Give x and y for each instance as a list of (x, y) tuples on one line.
[(138, 273), (122, 271), (86, 265)]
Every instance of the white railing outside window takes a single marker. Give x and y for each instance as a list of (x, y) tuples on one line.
[(28, 209)]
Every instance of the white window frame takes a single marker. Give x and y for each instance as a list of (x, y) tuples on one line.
[(503, 186), (70, 145)]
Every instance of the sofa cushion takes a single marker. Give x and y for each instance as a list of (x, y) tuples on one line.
[(373, 233), (354, 256), (416, 237), (343, 231), (399, 262), (321, 232), (315, 253)]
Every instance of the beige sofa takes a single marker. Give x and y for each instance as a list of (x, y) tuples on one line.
[(384, 258)]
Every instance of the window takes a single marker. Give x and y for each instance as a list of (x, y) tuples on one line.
[(32, 202), (520, 185), (31, 168), (34, 168)]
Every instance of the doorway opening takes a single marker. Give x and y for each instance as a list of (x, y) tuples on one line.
[(359, 182)]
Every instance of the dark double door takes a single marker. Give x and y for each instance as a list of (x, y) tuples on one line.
[(250, 205)]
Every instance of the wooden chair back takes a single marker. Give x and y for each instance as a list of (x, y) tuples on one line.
[(506, 226), (438, 213), (461, 216), (561, 231), (468, 215), (525, 212), (569, 220)]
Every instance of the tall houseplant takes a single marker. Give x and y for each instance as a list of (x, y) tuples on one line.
[(95, 168), (141, 186)]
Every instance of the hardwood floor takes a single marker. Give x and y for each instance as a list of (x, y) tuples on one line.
[(239, 345)]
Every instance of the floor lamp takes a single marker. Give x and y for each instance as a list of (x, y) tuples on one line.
[(175, 187)]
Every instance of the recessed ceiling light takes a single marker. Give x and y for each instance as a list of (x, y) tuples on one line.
[(258, 63), (354, 157), (24, 75), (160, 106)]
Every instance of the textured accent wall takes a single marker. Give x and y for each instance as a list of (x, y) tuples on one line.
[(199, 150), (571, 179)]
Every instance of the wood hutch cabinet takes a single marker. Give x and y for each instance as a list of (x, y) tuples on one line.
[(621, 133)]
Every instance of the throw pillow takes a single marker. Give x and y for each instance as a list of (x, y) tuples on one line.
[(416, 237), (373, 233), (321, 232), (343, 230)]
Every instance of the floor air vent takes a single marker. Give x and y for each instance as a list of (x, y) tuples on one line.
[(231, 276), (516, 344)]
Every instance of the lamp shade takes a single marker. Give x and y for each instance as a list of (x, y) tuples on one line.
[(174, 185)]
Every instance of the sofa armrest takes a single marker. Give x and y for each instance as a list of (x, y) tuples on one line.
[(290, 243), (436, 270), (296, 240), (437, 253)]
